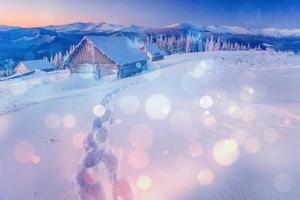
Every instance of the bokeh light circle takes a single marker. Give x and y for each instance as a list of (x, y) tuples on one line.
[(52, 121), (195, 150), (205, 177), (140, 136), (78, 140), (129, 104), (69, 121), (206, 102), (144, 182), (138, 159), (158, 107), (99, 110), (226, 152), (252, 145), (271, 135), (24, 152)]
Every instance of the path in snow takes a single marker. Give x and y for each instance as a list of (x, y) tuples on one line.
[(98, 174)]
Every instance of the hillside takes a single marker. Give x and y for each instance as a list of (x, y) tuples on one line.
[(213, 125)]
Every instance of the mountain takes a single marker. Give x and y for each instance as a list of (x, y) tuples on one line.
[(177, 29), (81, 28), (7, 28), (279, 39), (267, 32), (19, 43)]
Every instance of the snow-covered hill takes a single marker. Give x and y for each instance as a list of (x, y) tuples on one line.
[(268, 32), (220, 125), (85, 27)]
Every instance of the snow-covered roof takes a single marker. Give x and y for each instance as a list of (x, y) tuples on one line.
[(118, 48), (153, 48), (38, 64)]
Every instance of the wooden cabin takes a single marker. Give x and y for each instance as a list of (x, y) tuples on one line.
[(153, 52), (33, 65), (106, 55)]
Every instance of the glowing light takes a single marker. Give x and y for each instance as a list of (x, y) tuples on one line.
[(226, 152), (205, 177), (79, 140), (247, 94), (198, 70), (209, 122), (69, 121), (129, 104), (138, 159), (195, 150), (190, 84), (207, 113), (239, 136), (24, 152), (283, 182), (252, 145), (201, 68), (158, 107), (91, 176), (165, 152), (251, 90), (99, 110), (206, 102), (271, 135), (52, 121), (138, 65), (36, 160), (140, 136), (207, 63), (287, 122), (118, 121), (234, 111), (144, 182)]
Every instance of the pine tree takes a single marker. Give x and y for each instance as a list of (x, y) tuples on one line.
[(188, 44), (217, 45), (211, 44)]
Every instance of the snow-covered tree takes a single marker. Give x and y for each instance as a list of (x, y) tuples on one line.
[(211, 44)]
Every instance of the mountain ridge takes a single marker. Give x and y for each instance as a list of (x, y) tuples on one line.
[(18, 44), (99, 27)]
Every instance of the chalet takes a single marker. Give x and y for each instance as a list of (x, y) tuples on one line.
[(153, 52), (106, 55), (34, 65)]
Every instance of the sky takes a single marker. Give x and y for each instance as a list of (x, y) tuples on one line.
[(247, 13)]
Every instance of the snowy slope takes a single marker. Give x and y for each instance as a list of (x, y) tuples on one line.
[(85, 27), (238, 30), (269, 32), (220, 125)]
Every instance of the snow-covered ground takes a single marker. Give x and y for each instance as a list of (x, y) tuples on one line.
[(214, 125)]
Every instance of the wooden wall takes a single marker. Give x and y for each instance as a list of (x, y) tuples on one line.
[(21, 69), (86, 54)]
